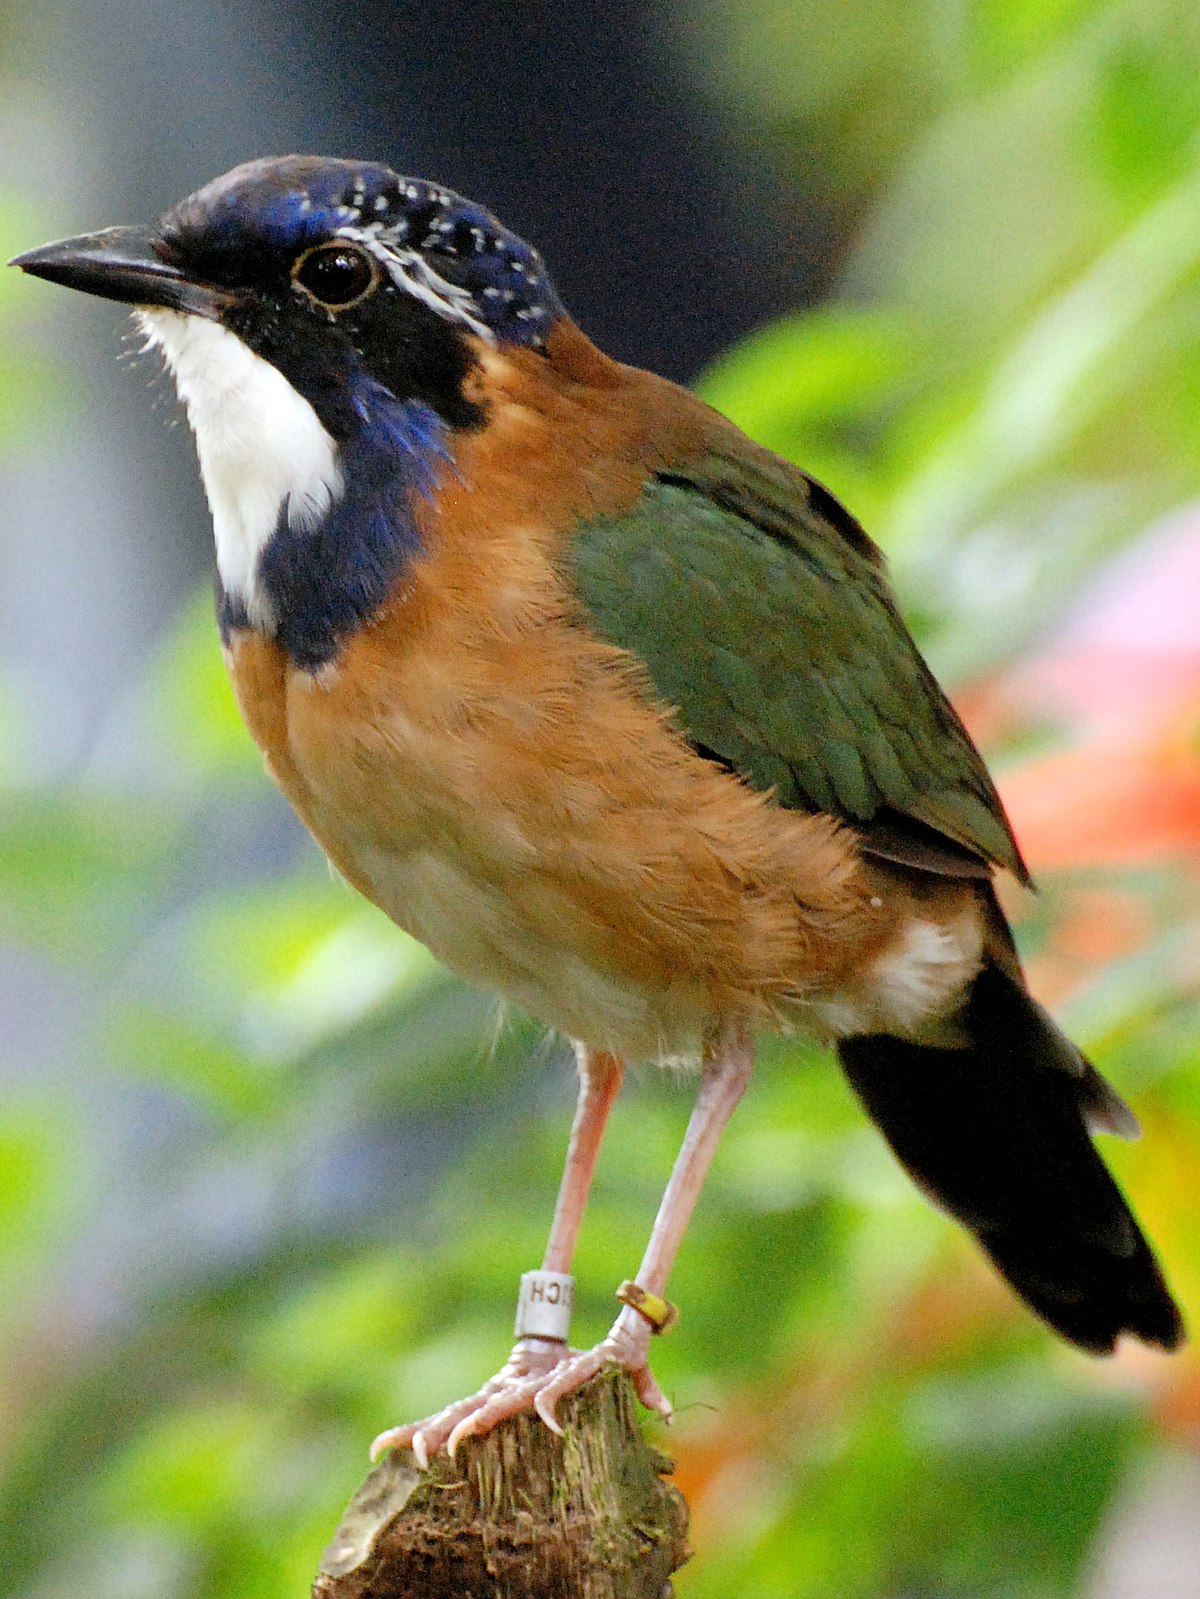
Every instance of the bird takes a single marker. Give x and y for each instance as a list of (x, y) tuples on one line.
[(615, 711)]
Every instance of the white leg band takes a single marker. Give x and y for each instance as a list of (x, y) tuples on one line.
[(544, 1305)]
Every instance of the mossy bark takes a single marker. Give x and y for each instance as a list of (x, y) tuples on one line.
[(521, 1514)]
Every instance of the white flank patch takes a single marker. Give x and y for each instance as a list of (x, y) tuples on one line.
[(911, 987), (260, 445), (927, 967)]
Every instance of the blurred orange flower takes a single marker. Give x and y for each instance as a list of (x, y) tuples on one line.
[(1123, 674)]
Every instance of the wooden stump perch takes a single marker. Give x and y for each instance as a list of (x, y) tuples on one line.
[(521, 1514)]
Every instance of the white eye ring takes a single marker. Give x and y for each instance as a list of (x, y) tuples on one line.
[(329, 260)]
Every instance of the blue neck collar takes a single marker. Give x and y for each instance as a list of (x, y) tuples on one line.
[(324, 583)]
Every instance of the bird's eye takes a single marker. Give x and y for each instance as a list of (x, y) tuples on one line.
[(335, 274)]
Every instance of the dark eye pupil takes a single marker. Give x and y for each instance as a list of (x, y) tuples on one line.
[(335, 275)]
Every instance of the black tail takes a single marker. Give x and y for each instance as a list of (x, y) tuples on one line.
[(997, 1133)]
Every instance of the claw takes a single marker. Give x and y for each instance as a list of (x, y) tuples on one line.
[(393, 1438), (544, 1403), (650, 1394)]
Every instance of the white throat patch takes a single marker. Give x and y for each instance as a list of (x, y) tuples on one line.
[(260, 446)]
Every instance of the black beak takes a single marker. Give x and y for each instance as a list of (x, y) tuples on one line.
[(121, 264)]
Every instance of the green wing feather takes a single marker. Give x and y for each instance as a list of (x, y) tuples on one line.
[(763, 615)]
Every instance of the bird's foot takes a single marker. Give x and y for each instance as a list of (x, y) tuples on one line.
[(538, 1373)]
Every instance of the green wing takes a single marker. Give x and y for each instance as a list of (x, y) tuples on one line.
[(762, 613)]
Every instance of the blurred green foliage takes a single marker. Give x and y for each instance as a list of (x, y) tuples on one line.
[(1005, 384)]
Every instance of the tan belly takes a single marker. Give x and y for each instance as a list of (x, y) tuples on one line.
[(520, 939), (522, 944)]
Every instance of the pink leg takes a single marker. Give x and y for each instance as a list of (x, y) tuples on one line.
[(512, 1389), (599, 1082), (726, 1073)]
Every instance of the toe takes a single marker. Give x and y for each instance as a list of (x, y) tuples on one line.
[(565, 1381), (510, 1401), (426, 1437)]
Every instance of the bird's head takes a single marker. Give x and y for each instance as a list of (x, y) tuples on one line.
[(324, 321), (330, 270)]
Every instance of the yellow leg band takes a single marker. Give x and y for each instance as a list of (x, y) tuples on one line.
[(660, 1313)]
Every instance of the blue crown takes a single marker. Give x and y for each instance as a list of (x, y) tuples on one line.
[(277, 207)]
